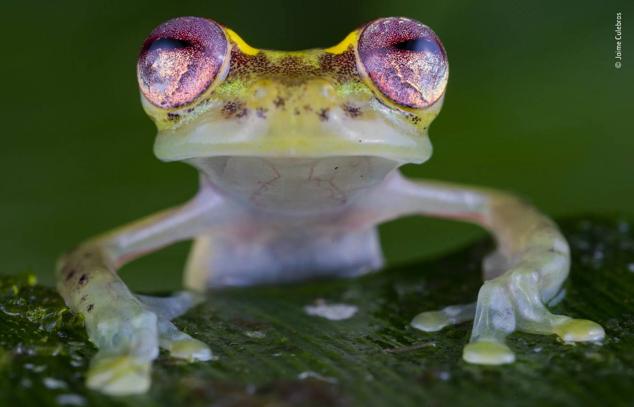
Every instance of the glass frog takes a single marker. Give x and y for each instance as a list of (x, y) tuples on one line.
[(298, 154)]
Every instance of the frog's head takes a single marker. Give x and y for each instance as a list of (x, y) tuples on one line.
[(373, 94)]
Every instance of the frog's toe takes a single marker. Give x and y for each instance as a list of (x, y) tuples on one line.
[(432, 321), (182, 346), (190, 349), (119, 375), (488, 353), (126, 334), (579, 330), (513, 303)]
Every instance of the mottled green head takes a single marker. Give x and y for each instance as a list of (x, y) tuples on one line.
[(373, 94)]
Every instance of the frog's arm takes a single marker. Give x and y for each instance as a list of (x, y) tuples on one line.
[(525, 273), (128, 329)]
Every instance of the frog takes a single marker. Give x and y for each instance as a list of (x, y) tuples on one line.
[(299, 156)]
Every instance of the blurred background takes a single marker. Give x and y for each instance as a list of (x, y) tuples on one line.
[(534, 105)]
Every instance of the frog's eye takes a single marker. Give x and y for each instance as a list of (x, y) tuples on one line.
[(405, 60), (179, 60)]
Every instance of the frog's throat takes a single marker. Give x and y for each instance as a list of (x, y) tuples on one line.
[(402, 144)]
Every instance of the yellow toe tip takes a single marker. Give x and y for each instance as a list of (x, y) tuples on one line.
[(119, 376), (191, 350), (580, 330), (429, 321), (488, 353)]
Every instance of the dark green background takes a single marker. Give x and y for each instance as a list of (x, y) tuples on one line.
[(534, 105)]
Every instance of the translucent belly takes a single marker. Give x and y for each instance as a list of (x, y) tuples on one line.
[(218, 261)]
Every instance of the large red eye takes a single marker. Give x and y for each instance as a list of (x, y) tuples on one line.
[(179, 60), (405, 60)]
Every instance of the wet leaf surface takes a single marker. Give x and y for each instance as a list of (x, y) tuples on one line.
[(271, 352)]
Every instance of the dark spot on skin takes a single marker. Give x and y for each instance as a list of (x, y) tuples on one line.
[(336, 168), (279, 102), (351, 111), (83, 279), (323, 115), (234, 109), (261, 112), (83, 298), (173, 116), (308, 108), (70, 273), (242, 113), (296, 112), (90, 307), (415, 119), (230, 108), (191, 109)]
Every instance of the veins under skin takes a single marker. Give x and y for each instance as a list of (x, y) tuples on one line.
[(335, 193), (265, 185)]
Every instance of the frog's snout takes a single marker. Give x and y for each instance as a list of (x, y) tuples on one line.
[(294, 97)]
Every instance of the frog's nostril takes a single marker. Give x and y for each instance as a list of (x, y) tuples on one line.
[(328, 91), (260, 92)]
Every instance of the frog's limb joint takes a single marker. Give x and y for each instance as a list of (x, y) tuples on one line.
[(128, 332), (525, 272), (127, 329)]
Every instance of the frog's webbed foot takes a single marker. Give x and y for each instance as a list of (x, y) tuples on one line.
[(525, 273), (129, 332), (177, 343), (513, 301)]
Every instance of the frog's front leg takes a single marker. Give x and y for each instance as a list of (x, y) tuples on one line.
[(524, 274), (129, 329)]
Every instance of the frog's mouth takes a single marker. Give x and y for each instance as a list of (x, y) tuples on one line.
[(295, 137)]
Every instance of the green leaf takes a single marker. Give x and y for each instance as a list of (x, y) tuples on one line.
[(270, 351)]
